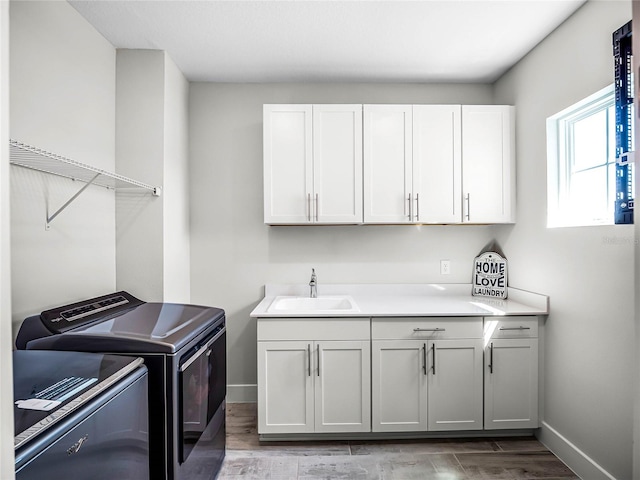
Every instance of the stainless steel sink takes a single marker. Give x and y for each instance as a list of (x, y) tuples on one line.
[(321, 304)]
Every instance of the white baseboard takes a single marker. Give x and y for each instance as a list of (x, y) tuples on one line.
[(578, 461), (242, 393)]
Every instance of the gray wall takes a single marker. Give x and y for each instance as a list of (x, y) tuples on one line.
[(62, 100), (176, 226), (153, 251), (586, 271), (140, 154), (233, 254)]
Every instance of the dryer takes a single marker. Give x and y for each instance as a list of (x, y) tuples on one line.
[(184, 349)]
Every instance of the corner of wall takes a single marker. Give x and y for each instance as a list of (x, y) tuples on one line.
[(6, 338)]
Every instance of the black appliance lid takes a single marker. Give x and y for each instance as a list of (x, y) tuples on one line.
[(70, 378), (148, 328)]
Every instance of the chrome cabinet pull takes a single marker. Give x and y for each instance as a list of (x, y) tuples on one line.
[(318, 359), (309, 358), (308, 207), (417, 206), (316, 207), (434, 359), (514, 328), (437, 329), (410, 209), (424, 358), (467, 199), (491, 358)]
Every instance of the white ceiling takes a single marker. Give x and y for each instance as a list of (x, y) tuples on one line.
[(336, 41)]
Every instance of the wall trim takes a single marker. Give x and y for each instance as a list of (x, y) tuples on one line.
[(242, 393), (578, 461)]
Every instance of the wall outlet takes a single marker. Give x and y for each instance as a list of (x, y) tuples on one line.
[(445, 267)]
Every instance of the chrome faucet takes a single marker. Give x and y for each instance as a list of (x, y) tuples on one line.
[(313, 284)]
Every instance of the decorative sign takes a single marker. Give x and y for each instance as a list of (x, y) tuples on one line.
[(490, 275)]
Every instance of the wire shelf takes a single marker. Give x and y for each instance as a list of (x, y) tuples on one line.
[(34, 158)]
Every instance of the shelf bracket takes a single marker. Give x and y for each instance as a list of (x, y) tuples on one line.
[(68, 202)]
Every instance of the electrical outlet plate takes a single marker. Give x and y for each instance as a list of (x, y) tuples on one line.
[(445, 267)]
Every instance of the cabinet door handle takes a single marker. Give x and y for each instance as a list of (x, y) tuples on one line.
[(410, 209), (491, 358), (318, 359), (309, 358), (437, 329), (514, 328), (424, 358), (417, 206), (433, 367), (316, 207), (467, 199), (308, 207)]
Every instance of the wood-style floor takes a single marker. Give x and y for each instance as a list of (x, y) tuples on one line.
[(442, 459)]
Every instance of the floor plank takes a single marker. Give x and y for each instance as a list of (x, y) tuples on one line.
[(514, 458)]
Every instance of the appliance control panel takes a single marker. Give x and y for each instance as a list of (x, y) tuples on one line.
[(61, 319)]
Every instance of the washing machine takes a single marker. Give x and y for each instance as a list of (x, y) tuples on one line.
[(80, 416)]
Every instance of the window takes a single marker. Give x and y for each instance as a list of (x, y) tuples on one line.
[(581, 156)]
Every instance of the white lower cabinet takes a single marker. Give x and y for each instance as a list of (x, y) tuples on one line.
[(399, 386), (315, 385), (454, 390), (424, 378), (343, 387), (332, 375), (511, 375), (285, 388)]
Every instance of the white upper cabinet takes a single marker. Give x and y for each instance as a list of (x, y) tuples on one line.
[(437, 163), (337, 163), (387, 164), (488, 172), (312, 164), (288, 163)]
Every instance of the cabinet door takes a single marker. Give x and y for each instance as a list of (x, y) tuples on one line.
[(437, 168), (288, 167), (399, 385), (285, 387), (343, 386), (455, 385), (337, 163), (387, 164), (488, 163), (511, 384)]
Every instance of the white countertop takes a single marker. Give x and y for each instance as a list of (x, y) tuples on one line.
[(416, 300)]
